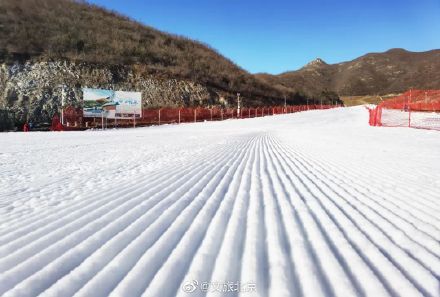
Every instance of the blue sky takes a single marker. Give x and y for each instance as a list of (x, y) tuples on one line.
[(281, 35)]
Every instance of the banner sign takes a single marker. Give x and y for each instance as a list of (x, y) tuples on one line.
[(112, 104)]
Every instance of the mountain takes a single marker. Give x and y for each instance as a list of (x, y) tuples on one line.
[(48, 43), (393, 71), (51, 46)]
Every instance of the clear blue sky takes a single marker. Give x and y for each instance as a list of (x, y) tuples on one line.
[(279, 35)]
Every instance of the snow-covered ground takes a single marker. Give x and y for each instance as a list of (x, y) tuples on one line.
[(308, 204)]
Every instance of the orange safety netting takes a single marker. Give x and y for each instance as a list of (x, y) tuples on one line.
[(414, 108), (73, 117)]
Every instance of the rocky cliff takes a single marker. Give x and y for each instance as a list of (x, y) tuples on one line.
[(32, 90)]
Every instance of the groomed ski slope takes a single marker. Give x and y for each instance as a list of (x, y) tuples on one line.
[(308, 204)]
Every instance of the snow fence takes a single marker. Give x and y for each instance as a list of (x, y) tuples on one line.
[(73, 117), (414, 109)]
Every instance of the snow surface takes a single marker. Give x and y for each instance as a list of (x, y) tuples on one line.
[(308, 204)]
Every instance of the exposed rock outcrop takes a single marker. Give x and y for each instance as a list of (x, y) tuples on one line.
[(33, 89)]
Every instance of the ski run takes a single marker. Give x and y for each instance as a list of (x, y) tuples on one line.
[(315, 203)]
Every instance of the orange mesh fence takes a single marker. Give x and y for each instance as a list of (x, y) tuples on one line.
[(73, 117), (217, 114), (414, 108), (150, 117), (202, 114), (187, 115), (168, 115)]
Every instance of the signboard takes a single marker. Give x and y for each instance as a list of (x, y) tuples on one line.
[(112, 104)]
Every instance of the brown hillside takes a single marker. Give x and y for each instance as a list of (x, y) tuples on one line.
[(54, 30), (393, 71)]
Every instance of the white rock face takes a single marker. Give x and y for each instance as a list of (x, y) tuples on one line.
[(34, 89)]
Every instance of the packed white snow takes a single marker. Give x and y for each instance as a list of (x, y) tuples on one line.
[(307, 204)]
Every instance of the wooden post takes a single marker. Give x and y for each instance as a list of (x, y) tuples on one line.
[(179, 115)]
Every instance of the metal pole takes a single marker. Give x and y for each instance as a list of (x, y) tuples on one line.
[(159, 116), (195, 115), (179, 115), (62, 104), (211, 113), (116, 116), (238, 105)]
